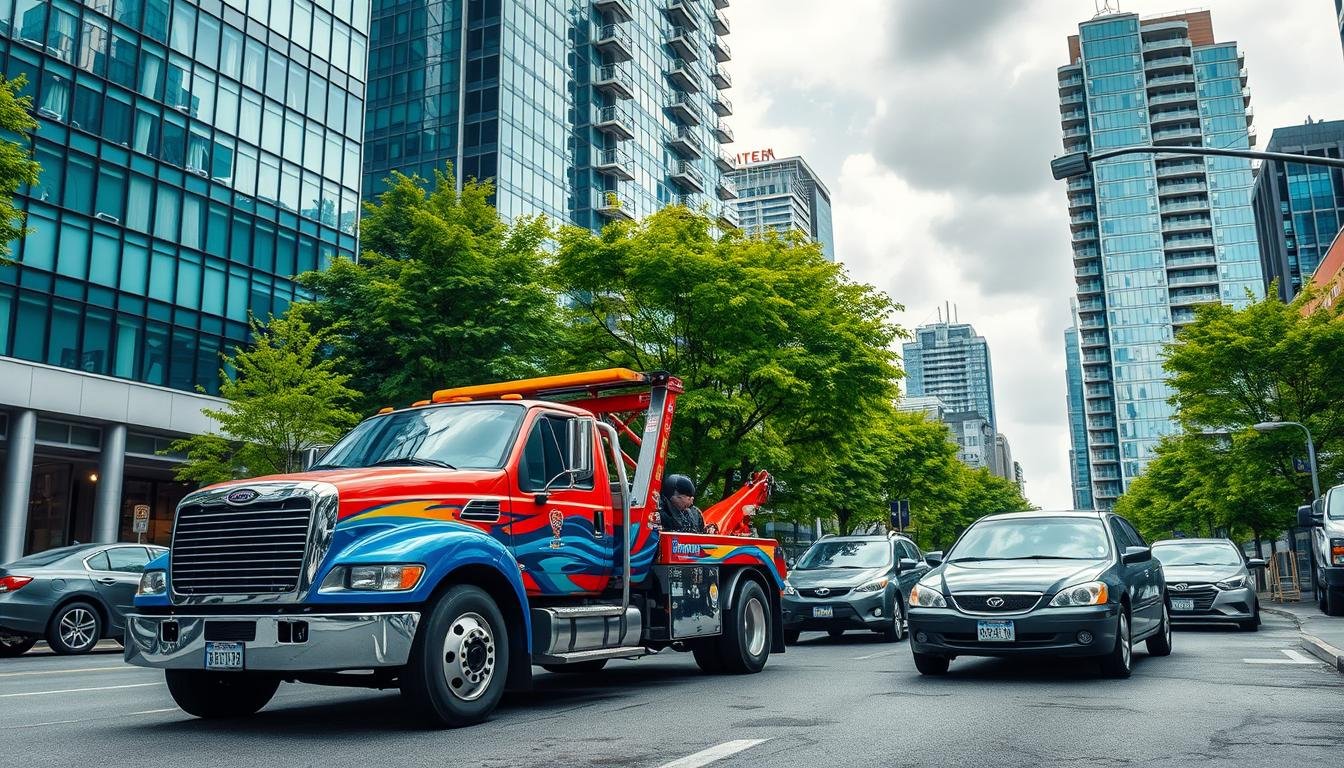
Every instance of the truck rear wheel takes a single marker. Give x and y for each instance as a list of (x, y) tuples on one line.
[(220, 694), (744, 645), (459, 661)]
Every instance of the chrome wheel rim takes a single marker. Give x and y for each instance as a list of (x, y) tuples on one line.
[(1125, 650), (77, 629), (469, 657), (754, 619), (1166, 625), (898, 618)]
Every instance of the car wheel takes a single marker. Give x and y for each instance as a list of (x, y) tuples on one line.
[(74, 629), (1119, 662), (791, 636), (928, 664), (459, 660), (744, 646), (895, 632), (835, 633), (582, 668), (220, 694), (15, 645), (1160, 643)]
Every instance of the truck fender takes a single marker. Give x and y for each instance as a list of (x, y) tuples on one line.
[(732, 576)]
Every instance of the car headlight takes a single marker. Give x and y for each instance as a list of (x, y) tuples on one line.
[(788, 588), (874, 585), (372, 578), (926, 595), (1236, 582), (1089, 593), (153, 583)]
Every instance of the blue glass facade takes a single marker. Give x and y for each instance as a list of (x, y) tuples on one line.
[(582, 111), (1080, 473), (1299, 209), (1153, 236), (195, 156), (951, 362), (784, 195)]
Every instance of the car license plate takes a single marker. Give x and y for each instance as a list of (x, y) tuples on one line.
[(823, 612), (223, 655), (1183, 604), (995, 631)]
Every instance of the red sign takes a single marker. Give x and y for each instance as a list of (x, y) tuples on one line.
[(757, 156)]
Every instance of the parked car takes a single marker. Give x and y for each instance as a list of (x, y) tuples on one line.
[(1325, 518), (72, 596), (852, 582), (1042, 583), (1209, 580)]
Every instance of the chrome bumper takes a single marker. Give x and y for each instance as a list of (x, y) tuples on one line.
[(334, 642)]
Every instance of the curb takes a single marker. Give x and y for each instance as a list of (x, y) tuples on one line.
[(1312, 644)]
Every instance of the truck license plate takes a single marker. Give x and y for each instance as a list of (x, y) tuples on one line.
[(1183, 604), (995, 631), (823, 612), (223, 655)]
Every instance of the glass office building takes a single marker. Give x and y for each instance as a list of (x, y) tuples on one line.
[(1298, 208), (1153, 236), (783, 195), (195, 157), (951, 362), (585, 111), (1079, 472)]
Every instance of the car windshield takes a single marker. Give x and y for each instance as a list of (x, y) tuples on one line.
[(48, 557), (1197, 553), (846, 554), (1022, 538), (474, 436)]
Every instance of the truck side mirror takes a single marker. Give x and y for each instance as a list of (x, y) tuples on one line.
[(579, 448), (1255, 562), (1307, 517), (311, 455)]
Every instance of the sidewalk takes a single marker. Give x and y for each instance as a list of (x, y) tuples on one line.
[(1322, 636)]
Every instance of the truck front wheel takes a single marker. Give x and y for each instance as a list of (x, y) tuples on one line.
[(459, 661), (220, 694), (744, 645)]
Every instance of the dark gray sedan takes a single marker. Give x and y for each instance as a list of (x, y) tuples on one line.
[(71, 596), (1042, 583)]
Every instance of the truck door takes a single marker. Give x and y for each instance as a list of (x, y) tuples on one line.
[(562, 529)]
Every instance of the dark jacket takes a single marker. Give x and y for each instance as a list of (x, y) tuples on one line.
[(689, 520)]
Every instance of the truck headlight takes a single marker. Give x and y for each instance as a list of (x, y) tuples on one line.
[(873, 586), (372, 578), (152, 583), (1089, 593), (1337, 551), (926, 595), (1234, 583)]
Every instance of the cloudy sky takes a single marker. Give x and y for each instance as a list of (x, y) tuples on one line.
[(933, 123)]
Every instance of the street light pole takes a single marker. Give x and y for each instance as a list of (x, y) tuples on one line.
[(1079, 163), (1269, 426)]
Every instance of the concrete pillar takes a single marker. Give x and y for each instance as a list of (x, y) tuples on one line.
[(17, 484), (111, 467)]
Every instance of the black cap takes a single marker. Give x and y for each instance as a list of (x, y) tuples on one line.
[(674, 484)]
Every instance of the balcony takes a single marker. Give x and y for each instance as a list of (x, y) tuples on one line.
[(1170, 43), (724, 161), (618, 9), (1095, 323), (1076, 145), (1188, 296), (1086, 253), (1084, 235), (723, 133), (722, 53), (683, 43), (683, 12), (689, 199), (1092, 305), (686, 143), (1186, 242), (721, 105), (1181, 188), (1070, 84), (1100, 439), (615, 163), (1096, 357), (1073, 98), (1088, 271), (688, 177), (1177, 133), (1076, 184), (720, 78), (1181, 316), (719, 22), (1097, 390), (728, 216), (1187, 168), (1176, 27), (613, 205), (1183, 78), (1197, 259), (615, 79), (1173, 116), (1092, 340), (1193, 278), (1086, 217), (1080, 201), (1187, 224), (1107, 474), (1073, 116), (726, 189), (1183, 96), (1079, 131), (683, 76), (613, 40), (1166, 64), (1086, 287), (1184, 204), (682, 107), (615, 121)]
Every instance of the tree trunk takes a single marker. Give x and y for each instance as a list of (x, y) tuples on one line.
[(842, 516)]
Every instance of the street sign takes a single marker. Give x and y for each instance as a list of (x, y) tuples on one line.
[(900, 514), (140, 523)]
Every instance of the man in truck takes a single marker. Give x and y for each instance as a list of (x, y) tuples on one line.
[(679, 512)]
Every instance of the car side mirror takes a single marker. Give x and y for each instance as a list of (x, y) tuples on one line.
[(1307, 517), (1136, 555), (579, 448), (934, 558), (1255, 562), (906, 564)]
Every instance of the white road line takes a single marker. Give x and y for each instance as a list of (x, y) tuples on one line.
[(1294, 657), (156, 711), (874, 655), (714, 754), (77, 690), (124, 667), (88, 719)]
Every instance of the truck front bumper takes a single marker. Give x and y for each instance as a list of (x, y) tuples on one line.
[(321, 642)]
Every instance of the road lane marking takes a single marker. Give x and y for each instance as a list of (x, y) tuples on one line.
[(1294, 657), (88, 719), (874, 655), (77, 690), (714, 754), (126, 667)]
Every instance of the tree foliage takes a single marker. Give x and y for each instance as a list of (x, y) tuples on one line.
[(286, 396), (17, 166), (444, 294)]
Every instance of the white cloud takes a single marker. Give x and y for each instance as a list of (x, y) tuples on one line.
[(933, 123)]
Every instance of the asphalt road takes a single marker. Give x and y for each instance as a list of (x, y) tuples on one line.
[(852, 702)]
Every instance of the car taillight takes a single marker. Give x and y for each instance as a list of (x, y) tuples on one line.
[(11, 583), (1337, 551)]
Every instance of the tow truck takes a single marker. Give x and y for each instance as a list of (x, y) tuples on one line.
[(448, 547)]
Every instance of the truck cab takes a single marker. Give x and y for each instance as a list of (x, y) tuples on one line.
[(447, 547), (1325, 520)]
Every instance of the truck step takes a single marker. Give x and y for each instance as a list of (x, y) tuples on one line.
[(628, 652), (584, 611)]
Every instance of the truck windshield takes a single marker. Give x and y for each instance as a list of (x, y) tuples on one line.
[(846, 554), (1336, 505), (451, 437)]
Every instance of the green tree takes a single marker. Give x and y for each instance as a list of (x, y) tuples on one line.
[(444, 294), (782, 354), (979, 493), (17, 167), (286, 396)]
